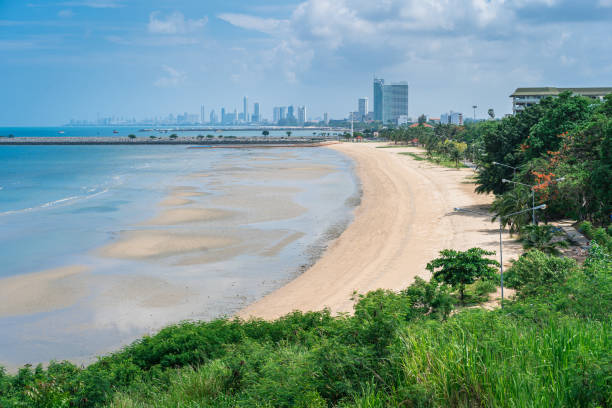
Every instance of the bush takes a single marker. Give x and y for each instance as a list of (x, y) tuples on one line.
[(535, 271)]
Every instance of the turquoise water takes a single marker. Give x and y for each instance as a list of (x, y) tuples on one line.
[(60, 204)]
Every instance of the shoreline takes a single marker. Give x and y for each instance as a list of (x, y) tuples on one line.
[(405, 218)]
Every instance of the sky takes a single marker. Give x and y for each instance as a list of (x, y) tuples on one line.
[(80, 59)]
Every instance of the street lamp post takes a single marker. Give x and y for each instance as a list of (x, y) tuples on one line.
[(532, 188), (474, 107), (501, 228), (505, 165)]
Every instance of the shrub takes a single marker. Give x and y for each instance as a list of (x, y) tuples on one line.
[(535, 271)]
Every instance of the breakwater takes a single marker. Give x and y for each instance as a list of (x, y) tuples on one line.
[(193, 141)]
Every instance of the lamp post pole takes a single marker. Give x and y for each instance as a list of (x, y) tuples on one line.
[(505, 165), (532, 188), (501, 249)]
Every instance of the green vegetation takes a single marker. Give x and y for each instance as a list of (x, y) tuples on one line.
[(437, 159), (132, 137), (549, 347), (459, 269), (542, 238)]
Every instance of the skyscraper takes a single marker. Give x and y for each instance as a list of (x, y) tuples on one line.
[(213, 117), (395, 102), (255, 117), (362, 108), (290, 114), (301, 115), (378, 98), (202, 114), (283, 112), (276, 114), (326, 118), (245, 108)]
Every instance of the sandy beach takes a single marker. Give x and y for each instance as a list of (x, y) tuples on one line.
[(405, 218)]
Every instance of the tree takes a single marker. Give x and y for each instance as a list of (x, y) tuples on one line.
[(457, 268), (152, 137), (541, 237), (173, 136), (491, 113), (288, 133), (200, 137), (265, 133), (422, 119), (510, 202), (132, 137)]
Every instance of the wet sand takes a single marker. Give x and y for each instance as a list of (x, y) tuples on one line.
[(42, 291), (405, 218)]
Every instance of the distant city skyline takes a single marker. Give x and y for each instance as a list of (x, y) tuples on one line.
[(75, 59)]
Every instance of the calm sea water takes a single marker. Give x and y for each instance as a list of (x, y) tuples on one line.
[(140, 131), (59, 204)]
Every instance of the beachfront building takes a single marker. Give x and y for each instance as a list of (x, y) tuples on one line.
[(525, 97), (202, 114), (451, 118), (395, 102), (362, 107)]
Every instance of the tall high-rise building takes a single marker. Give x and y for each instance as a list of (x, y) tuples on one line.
[(223, 116), (213, 117), (326, 118), (245, 108), (283, 112), (395, 102), (362, 107), (301, 115), (290, 114), (379, 84), (202, 114), (255, 117), (276, 114)]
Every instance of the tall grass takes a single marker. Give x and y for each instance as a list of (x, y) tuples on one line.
[(489, 359)]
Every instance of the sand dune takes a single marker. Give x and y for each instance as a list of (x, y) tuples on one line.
[(405, 218)]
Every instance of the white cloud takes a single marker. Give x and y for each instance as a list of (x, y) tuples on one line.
[(174, 23), (265, 25), (65, 13), (171, 78), (605, 3)]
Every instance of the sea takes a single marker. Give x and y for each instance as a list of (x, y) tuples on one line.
[(254, 220)]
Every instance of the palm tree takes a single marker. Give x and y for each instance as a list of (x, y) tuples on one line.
[(517, 199), (132, 137), (541, 237), (288, 133), (265, 133)]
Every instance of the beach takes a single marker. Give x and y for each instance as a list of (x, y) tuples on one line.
[(405, 218)]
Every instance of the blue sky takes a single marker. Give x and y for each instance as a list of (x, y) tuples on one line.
[(64, 59)]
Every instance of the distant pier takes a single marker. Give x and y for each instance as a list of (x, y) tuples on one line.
[(191, 141)]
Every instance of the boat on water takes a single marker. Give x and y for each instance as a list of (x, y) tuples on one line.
[(61, 132), (115, 131)]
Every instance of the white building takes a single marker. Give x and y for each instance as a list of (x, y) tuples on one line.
[(451, 118), (525, 97)]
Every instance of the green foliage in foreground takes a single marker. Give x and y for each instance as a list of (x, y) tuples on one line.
[(438, 159), (551, 347)]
